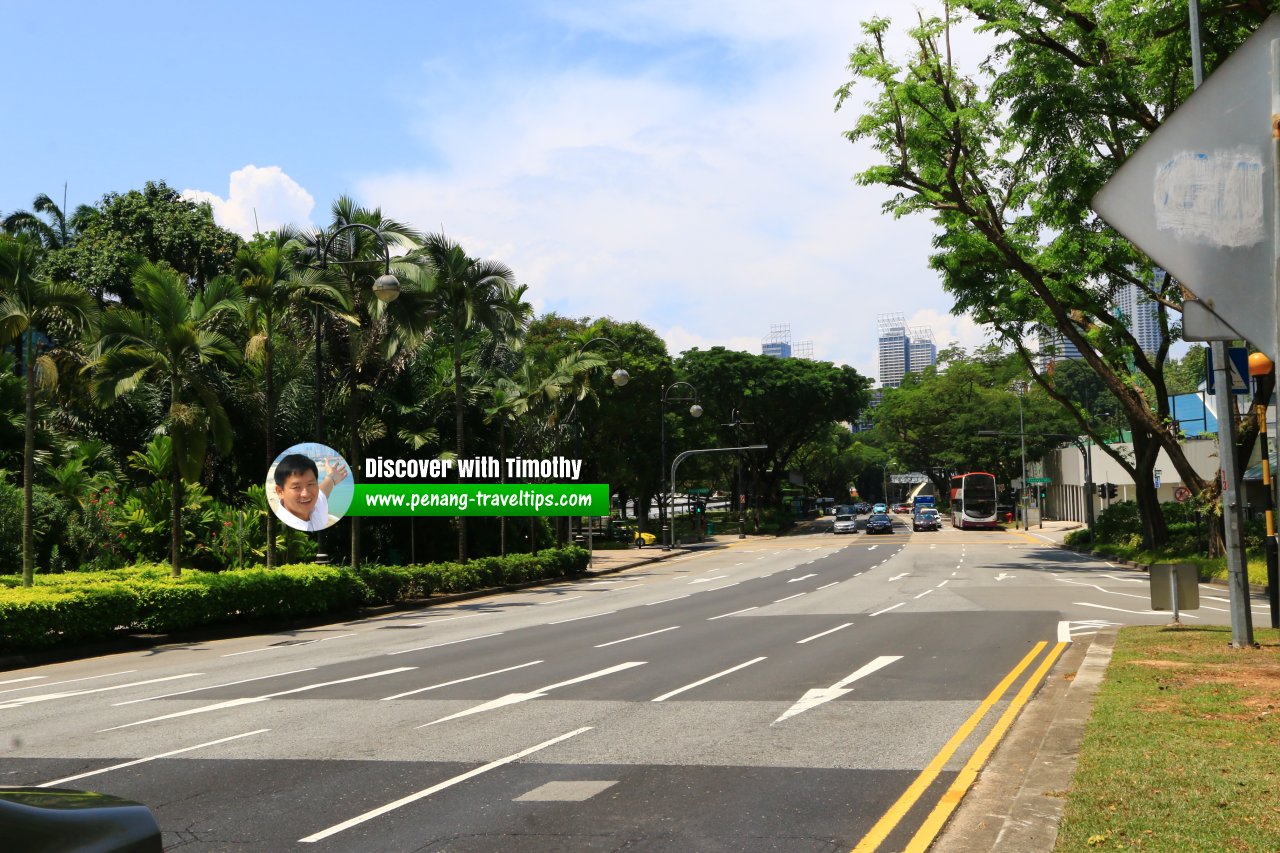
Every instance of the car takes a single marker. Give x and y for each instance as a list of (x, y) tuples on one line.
[(902, 509), (926, 519), (845, 523), (861, 508), (46, 820), (879, 522), (880, 508), (643, 539)]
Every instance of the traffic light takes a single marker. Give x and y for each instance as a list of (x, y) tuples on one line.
[(1102, 490), (1111, 491), (699, 507)]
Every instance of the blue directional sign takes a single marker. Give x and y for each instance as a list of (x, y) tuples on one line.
[(1237, 366)]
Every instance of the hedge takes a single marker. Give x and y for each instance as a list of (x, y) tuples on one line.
[(79, 607)]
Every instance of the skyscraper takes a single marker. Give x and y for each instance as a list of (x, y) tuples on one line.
[(1141, 314), (903, 350)]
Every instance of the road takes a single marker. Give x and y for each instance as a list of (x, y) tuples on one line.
[(808, 693)]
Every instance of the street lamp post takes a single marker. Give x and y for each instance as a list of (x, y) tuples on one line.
[(620, 378), (696, 411), (1022, 432), (386, 287), (737, 423)]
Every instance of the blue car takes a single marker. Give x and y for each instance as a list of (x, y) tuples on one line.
[(879, 522)]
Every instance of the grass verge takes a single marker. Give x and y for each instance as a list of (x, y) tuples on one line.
[(1181, 751)]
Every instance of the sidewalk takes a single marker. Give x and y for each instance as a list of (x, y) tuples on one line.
[(607, 561)]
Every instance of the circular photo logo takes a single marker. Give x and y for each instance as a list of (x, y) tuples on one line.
[(309, 486)]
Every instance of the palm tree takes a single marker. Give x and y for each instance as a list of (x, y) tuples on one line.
[(57, 230), (27, 304), (272, 285), (469, 293), (173, 340), (379, 338)]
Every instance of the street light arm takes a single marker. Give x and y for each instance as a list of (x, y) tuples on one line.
[(327, 244)]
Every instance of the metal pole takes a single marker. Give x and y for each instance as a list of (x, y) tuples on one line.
[(662, 469), (1022, 433), (321, 556), (1273, 545), (1273, 558), (1087, 451)]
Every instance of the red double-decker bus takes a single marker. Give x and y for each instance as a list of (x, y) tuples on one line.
[(973, 501)]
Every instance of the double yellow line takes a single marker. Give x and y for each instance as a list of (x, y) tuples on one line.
[(937, 818)]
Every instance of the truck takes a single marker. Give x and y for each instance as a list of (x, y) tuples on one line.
[(922, 502)]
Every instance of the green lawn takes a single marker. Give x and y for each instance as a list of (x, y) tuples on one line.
[(1182, 752)]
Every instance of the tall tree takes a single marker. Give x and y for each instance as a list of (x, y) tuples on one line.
[(789, 401), (378, 339), (1006, 163), (31, 304), (152, 224), (469, 294), (272, 285), (48, 222), (173, 340)]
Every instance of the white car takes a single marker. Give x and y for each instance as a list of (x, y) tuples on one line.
[(845, 523)]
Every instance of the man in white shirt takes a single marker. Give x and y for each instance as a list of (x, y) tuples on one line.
[(304, 500)]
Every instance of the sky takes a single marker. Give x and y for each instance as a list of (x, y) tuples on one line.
[(674, 162)]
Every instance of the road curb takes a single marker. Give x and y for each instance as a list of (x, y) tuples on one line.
[(1017, 803)]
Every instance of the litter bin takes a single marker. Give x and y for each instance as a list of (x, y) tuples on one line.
[(711, 528)]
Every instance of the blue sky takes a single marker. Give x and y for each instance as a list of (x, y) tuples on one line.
[(676, 163)]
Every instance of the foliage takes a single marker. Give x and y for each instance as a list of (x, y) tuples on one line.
[(152, 224), (1006, 163), (788, 402), (82, 607)]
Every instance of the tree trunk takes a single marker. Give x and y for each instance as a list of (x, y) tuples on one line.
[(1155, 532), (270, 444), (175, 528), (460, 520), (28, 467)]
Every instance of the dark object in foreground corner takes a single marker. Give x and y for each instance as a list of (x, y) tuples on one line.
[(60, 820)]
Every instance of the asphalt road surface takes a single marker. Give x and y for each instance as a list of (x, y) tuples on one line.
[(810, 693)]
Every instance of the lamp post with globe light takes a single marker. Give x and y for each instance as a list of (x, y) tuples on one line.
[(695, 410), (386, 288)]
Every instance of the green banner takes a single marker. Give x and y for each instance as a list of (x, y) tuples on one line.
[(480, 499)]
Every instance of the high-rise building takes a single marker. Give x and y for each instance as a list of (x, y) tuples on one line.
[(778, 344), (1054, 347), (903, 350), (1141, 314)]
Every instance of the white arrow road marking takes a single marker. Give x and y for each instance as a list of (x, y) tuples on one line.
[(899, 577), (803, 577), (873, 547), (448, 783), (822, 695), (515, 698), (1004, 576), (709, 580)]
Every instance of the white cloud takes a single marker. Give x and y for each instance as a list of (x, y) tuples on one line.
[(260, 199), (706, 210)]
